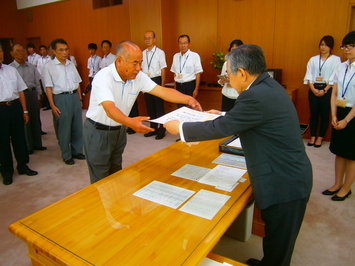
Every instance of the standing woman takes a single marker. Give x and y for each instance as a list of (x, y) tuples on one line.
[(343, 111), (319, 76), (228, 93)]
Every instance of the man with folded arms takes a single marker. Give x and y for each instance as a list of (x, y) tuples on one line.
[(279, 170), (13, 115), (61, 80), (31, 77), (114, 90)]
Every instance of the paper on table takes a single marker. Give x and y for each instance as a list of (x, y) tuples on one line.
[(191, 172), (231, 160), (205, 204), (222, 176), (184, 114), (235, 143), (164, 194)]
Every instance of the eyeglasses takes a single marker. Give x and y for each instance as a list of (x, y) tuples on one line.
[(62, 50), (347, 47), (183, 43), (148, 38)]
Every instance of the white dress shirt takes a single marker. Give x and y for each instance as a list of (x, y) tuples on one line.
[(345, 79), (153, 62), (33, 59), (11, 83), (188, 65), (94, 65), (107, 60), (42, 61)]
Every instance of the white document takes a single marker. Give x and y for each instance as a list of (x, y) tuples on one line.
[(223, 176), (191, 172), (235, 143), (205, 204), (164, 194), (185, 114), (209, 262), (231, 160)]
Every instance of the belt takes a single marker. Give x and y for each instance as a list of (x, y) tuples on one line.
[(68, 92), (100, 126), (9, 103), (30, 89), (186, 82)]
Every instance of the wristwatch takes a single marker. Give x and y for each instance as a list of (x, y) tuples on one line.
[(25, 112), (347, 120)]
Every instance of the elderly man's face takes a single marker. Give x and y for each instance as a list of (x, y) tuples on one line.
[(61, 52), (184, 44), (128, 68), (106, 48), (235, 80), (18, 53)]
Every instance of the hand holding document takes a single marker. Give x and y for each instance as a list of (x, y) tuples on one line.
[(185, 114)]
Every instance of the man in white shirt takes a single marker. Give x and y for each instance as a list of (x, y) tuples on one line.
[(187, 68), (14, 114), (41, 62), (108, 58), (61, 80), (154, 66), (94, 62), (114, 90), (32, 56)]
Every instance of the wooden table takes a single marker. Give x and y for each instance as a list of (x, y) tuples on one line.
[(104, 224)]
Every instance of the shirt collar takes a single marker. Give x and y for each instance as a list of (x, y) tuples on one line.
[(185, 54), (57, 62), (18, 65)]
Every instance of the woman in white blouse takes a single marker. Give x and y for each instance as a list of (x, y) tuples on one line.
[(319, 77)]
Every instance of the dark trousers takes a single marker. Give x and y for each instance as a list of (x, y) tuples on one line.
[(185, 88), (44, 100), (134, 111), (227, 103), (282, 224), (155, 105), (320, 108), (12, 132)]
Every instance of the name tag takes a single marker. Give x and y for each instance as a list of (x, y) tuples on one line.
[(319, 78), (341, 103), (179, 76)]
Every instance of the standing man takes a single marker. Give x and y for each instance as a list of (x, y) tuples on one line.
[(13, 115), (32, 57), (32, 93), (61, 80), (114, 90), (94, 62), (41, 62), (279, 169), (154, 66), (187, 69), (108, 57)]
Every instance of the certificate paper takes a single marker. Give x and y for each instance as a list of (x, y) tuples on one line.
[(231, 160), (185, 114), (191, 172), (164, 194), (205, 204)]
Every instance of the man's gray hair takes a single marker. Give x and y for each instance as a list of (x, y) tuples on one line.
[(121, 51), (248, 57)]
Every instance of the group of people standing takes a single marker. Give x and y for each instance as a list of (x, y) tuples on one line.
[(332, 91)]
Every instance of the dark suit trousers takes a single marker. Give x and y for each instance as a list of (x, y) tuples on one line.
[(12, 132), (320, 108), (185, 88), (155, 105), (33, 127), (282, 224)]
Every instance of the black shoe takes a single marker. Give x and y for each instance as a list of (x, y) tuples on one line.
[(27, 171), (329, 193), (7, 180), (337, 198), (79, 156), (253, 262), (161, 133), (152, 133), (130, 131), (69, 161), (317, 145), (39, 148), (177, 140), (310, 144)]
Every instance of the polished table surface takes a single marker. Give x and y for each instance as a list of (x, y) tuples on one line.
[(104, 224)]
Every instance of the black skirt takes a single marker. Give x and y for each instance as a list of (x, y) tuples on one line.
[(343, 141)]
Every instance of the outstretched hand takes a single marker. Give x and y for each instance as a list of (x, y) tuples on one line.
[(172, 126), (194, 104), (137, 125)]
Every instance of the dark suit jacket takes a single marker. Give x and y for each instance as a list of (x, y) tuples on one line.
[(267, 123)]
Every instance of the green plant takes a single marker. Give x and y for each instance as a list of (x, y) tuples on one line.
[(218, 60)]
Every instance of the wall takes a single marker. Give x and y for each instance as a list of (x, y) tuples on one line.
[(288, 31)]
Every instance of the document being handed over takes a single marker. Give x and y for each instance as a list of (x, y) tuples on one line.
[(185, 114)]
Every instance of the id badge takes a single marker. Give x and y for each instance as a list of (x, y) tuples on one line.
[(341, 103), (148, 74), (179, 76), (319, 78)]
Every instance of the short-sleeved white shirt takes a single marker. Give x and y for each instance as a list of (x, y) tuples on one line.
[(94, 65), (41, 62), (326, 68), (61, 78), (346, 80), (231, 93), (108, 86), (153, 62), (11, 83), (188, 65), (33, 59), (107, 60)]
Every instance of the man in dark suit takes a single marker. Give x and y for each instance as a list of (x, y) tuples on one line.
[(279, 169)]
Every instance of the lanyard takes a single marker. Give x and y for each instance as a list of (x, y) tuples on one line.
[(184, 63), (93, 64), (150, 58), (343, 91), (321, 66)]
